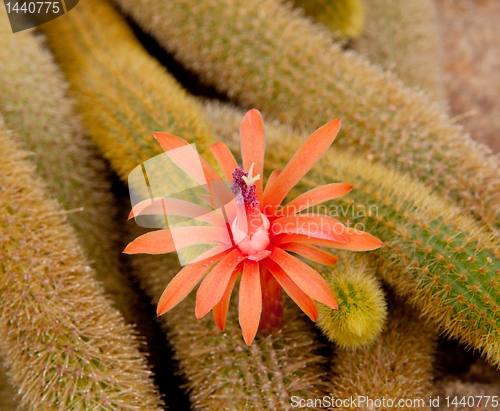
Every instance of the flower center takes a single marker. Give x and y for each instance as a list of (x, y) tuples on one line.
[(243, 187), (251, 236)]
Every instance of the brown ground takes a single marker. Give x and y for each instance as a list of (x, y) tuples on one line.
[(470, 31)]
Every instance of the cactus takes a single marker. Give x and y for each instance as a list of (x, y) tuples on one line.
[(437, 258), (402, 35), (345, 18), (398, 363), (266, 56), (34, 104), (124, 95), (362, 308), (49, 307), (130, 103)]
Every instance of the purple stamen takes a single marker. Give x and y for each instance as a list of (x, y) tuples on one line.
[(242, 192)]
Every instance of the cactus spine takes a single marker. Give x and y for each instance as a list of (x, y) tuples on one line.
[(124, 96), (50, 305), (266, 56), (345, 18), (403, 36), (440, 260)]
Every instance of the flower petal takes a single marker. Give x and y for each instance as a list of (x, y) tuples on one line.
[(220, 309), (315, 196), (174, 206), (253, 147), (168, 240), (303, 160), (270, 182), (214, 285), (182, 284), (356, 241), (305, 277), (311, 252), (170, 142), (224, 158), (250, 303), (305, 302), (312, 225)]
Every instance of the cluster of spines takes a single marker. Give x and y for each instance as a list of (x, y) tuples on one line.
[(443, 262), (345, 18), (403, 36), (64, 345), (266, 56), (108, 82), (362, 310)]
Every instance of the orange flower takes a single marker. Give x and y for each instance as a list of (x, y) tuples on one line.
[(253, 234)]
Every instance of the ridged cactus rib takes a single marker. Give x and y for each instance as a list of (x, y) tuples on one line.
[(362, 308), (265, 55), (398, 363), (345, 18), (62, 342), (437, 258), (402, 36), (221, 371), (107, 88)]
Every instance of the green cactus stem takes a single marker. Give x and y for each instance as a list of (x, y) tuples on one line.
[(63, 344), (262, 53)]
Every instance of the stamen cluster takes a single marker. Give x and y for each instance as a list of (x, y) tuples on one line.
[(241, 190)]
